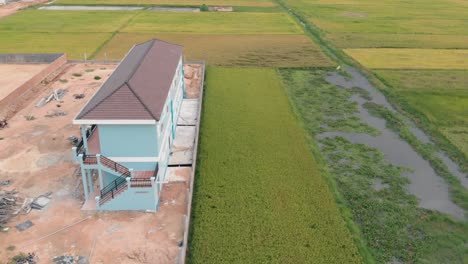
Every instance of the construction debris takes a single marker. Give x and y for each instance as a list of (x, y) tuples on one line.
[(69, 259), (56, 95), (41, 201), (23, 226), (10, 205), (3, 123), (5, 183), (56, 112), (78, 96), (22, 258), (73, 140)]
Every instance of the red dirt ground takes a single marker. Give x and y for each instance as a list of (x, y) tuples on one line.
[(37, 156)]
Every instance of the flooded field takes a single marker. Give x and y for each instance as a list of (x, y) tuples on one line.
[(431, 190)]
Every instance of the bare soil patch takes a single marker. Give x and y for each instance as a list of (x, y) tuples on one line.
[(14, 75), (37, 157)]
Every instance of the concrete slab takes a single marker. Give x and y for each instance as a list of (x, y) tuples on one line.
[(178, 174), (182, 148), (188, 112)]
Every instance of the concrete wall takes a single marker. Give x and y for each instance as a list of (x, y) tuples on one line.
[(29, 58), (128, 140), (25, 87), (140, 165)]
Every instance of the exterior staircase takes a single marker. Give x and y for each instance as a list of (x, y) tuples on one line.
[(119, 185)]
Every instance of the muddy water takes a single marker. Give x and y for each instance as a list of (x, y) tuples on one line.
[(430, 189)]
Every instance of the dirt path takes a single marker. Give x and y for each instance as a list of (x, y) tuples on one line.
[(11, 8)]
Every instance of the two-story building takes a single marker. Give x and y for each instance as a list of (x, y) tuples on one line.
[(128, 127)]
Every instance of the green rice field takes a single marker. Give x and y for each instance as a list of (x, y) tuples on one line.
[(411, 58), (231, 50), (259, 196), (440, 95), (220, 23), (260, 3)]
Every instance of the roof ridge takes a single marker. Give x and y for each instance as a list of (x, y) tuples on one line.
[(140, 61), (139, 99)]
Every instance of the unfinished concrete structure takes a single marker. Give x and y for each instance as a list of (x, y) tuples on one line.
[(128, 128)]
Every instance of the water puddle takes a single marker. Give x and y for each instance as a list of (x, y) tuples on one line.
[(431, 189), (92, 8), (454, 169)]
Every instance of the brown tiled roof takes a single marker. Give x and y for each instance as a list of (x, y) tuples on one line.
[(139, 86)]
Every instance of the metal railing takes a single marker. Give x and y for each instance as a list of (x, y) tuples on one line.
[(80, 149), (140, 182), (112, 189)]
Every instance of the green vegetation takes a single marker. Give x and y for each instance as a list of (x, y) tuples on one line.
[(259, 197), (377, 40), (391, 226), (410, 58), (45, 21), (213, 23), (77, 74), (97, 77), (438, 100), (231, 50), (73, 44), (323, 106), (194, 3)]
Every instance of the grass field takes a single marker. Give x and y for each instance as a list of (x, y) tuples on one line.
[(410, 58), (440, 95), (231, 50), (65, 21), (393, 228), (262, 3), (376, 40), (75, 45), (259, 197), (214, 23), (389, 23)]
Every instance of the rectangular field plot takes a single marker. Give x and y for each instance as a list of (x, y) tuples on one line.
[(458, 136), (231, 50), (263, 3), (259, 196), (431, 81), (74, 45), (213, 23), (376, 40), (410, 58), (65, 21)]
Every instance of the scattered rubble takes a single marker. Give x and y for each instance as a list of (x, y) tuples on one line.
[(79, 96), (56, 95), (25, 225), (5, 183), (56, 113), (41, 201), (69, 259), (10, 205), (22, 258), (3, 123)]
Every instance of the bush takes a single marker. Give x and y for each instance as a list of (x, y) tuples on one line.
[(204, 8), (77, 74), (97, 77)]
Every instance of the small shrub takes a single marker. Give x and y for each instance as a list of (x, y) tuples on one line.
[(89, 70), (97, 77), (77, 74), (11, 248), (29, 117), (63, 80), (204, 8)]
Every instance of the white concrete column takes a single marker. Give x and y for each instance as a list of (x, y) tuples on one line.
[(83, 135), (128, 181), (97, 198), (131, 172)]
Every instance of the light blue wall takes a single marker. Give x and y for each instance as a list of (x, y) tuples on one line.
[(128, 140), (132, 199)]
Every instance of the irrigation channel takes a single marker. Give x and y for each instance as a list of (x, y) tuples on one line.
[(431, 189)]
